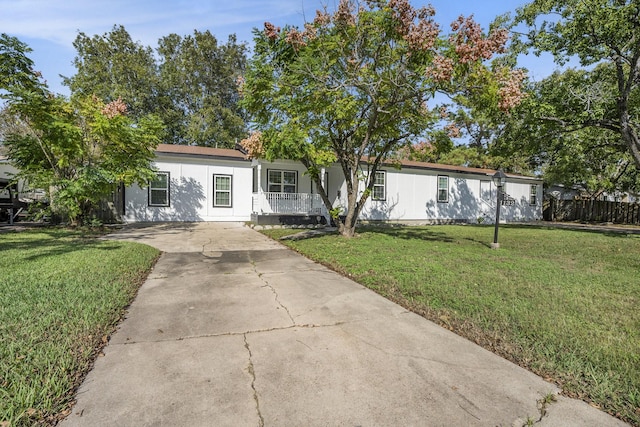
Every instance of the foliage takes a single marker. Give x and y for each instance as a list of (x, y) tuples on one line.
[(198, 87), (78, 150), (61, 294), (561, 303), (190, 84), (352, 87), (602, 35), (113, 66), (16, 69), (569, 153)]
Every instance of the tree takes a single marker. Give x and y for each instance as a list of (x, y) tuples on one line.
[(16, 69), (597, 32), (113, 66), (198, 85), (592, 157), (191, 85), (78, 150), (352, 88)]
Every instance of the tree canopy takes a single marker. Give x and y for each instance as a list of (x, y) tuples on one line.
[(198, 87), (593, 158), (353, 87), (603, 36), (189, 82), (112, 66), (77, 150)]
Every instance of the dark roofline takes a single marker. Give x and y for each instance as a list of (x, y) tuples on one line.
[(235, 154), (410, 164), (190, 150)]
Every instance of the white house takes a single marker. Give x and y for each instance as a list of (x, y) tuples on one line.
[(210, 184)]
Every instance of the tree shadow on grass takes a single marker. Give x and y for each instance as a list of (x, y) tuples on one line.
[(45, 242), (408, 232), (606, 230)]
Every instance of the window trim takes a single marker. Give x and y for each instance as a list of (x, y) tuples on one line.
[(533, 194), (281, 184), (230, 190), (383, 185), (490, 197), (446, 200), (167, 189)]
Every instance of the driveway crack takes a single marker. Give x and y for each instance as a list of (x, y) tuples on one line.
[(129, 341), (252, 372), (275, 293)]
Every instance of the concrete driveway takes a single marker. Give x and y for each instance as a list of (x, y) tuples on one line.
[(233, 329)]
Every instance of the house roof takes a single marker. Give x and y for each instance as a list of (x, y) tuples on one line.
[(233, 154), (450, 168), (191, 150)]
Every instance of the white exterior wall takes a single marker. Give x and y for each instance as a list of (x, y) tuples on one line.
[(191, 191), (411, 195)]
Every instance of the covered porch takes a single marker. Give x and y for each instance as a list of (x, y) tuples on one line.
[(277, 198)]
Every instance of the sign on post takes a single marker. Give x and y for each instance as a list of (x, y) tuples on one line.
[(507, 200)]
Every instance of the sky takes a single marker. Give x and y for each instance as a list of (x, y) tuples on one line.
[(49, 27)]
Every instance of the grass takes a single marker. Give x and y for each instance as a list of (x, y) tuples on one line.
[(562, 303), (61, 295)]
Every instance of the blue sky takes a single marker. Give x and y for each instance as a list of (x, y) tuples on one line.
[(49, 27)]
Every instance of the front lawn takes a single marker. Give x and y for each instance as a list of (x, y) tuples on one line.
[(61, 295), (562, 303)]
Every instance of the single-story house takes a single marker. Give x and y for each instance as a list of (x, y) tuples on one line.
[(212, 184)]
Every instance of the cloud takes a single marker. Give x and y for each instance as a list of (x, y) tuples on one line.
[(59, 21)]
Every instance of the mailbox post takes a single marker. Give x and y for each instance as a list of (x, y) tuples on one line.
[(499, 179)]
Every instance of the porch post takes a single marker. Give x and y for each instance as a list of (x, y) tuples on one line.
[(323, 172), (259, 172)]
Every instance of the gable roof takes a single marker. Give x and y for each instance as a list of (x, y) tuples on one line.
[(234, 154), (191, 150), (453, 169)]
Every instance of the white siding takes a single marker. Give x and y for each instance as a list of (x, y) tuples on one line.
[(191, 191), (412, 196), (411, 193)]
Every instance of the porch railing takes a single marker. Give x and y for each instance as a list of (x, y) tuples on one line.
[(288, 203)]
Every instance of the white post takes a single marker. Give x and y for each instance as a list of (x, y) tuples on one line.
[(259, 172), (323, 208)]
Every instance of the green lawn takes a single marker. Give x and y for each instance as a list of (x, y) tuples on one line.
[(564, 304), (61, 294)]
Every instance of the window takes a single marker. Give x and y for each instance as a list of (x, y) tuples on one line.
[(443, 189), (379, 186), (533, 194), (222, 191), (485, 191), (159, 189), (282, 181)]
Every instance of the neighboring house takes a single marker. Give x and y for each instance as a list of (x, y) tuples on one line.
[(577, 192), (14, 196), (210, 184)]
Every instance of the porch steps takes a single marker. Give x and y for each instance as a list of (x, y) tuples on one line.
[(287, 219)]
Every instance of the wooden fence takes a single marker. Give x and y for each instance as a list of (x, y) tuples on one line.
[(592, 211)]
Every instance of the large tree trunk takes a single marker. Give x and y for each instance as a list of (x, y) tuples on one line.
[(348, 227), (630, 136)]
